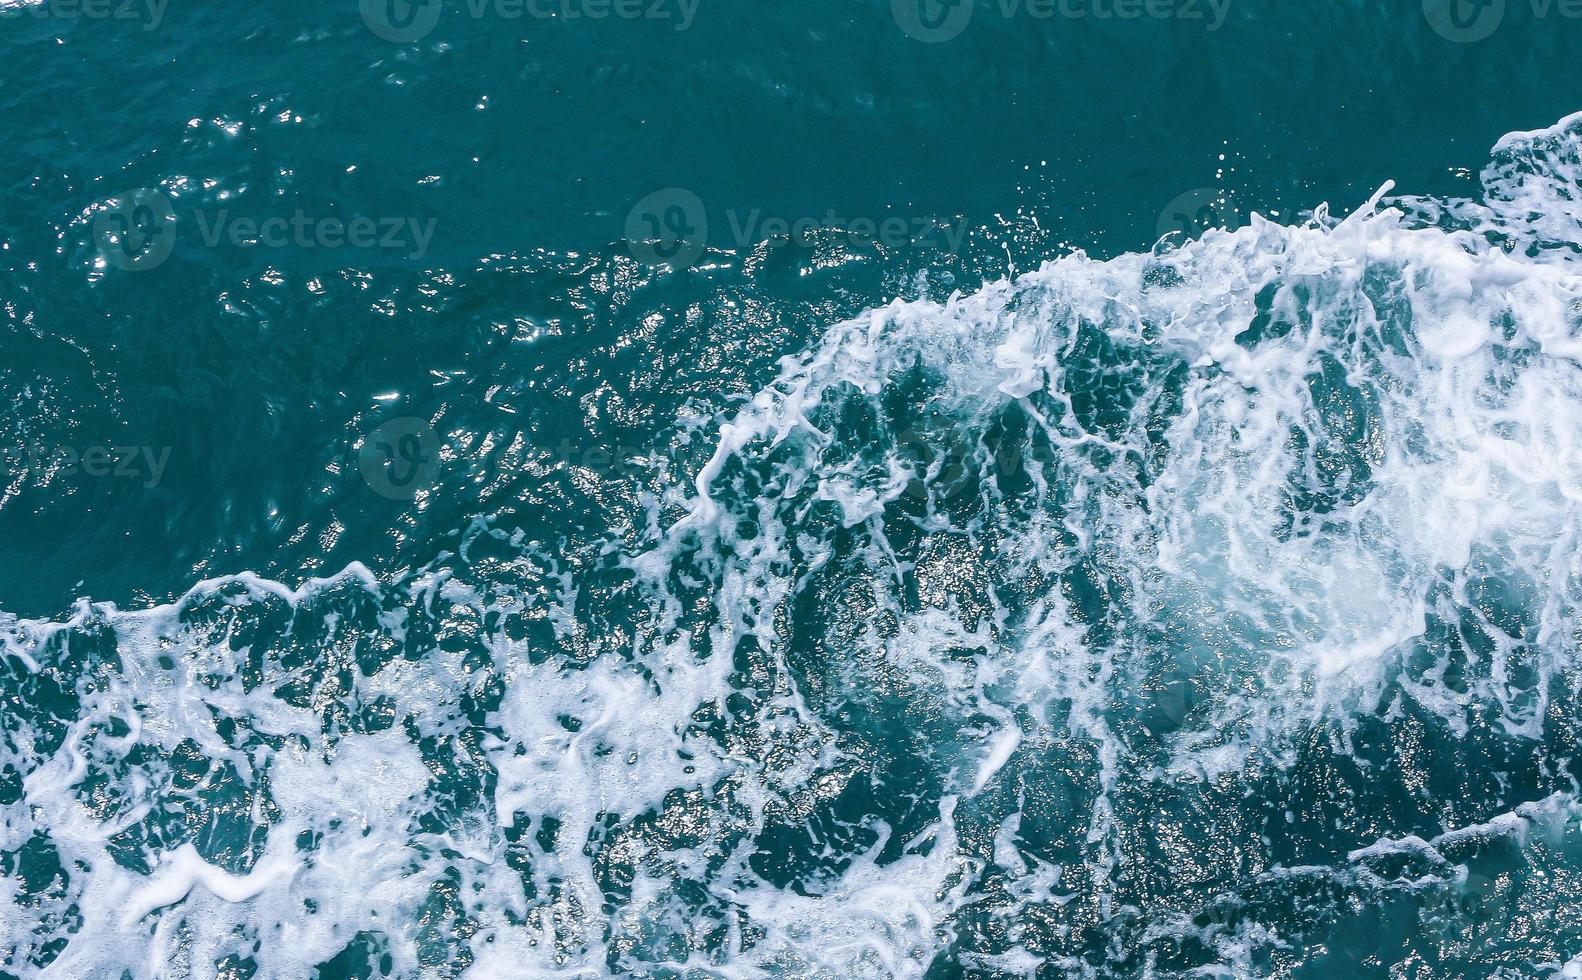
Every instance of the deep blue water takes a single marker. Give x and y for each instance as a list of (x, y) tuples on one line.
[(682, 489)]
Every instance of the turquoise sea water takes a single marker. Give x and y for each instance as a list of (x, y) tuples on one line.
[(585, 488)]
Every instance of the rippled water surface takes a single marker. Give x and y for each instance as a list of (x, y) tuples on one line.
[(682, 489)]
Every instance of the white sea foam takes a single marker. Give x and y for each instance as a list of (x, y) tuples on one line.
[(1319, 441)]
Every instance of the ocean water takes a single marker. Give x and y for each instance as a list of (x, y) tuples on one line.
[(676, 489)]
